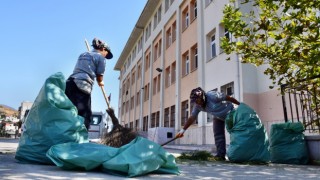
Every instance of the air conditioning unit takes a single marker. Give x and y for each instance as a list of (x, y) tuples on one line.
[(161, 135)]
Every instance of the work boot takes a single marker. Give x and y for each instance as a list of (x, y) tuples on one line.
[(219, 158)]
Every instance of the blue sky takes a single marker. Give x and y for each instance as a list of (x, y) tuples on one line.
[(40, 38)]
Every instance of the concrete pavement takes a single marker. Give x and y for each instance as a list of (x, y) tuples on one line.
[(10, 169)]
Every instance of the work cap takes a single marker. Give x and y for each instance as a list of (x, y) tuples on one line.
[(196, 93), (98, 44)]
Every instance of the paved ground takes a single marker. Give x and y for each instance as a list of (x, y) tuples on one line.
[(10, 169)]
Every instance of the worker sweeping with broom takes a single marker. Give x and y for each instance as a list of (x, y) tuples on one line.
[(219, 105), (90, 66)]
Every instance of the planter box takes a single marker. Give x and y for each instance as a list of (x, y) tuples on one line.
[(313, 143)]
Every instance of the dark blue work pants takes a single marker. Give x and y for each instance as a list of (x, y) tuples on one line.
[(81, 100), (219, 136)]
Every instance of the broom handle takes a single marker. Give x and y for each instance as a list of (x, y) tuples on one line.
[(169, 141), (105, 96)]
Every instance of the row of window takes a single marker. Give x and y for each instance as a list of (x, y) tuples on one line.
[(171, 32), (189, 64)]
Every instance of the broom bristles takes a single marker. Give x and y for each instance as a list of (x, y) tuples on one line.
[(119, 136)]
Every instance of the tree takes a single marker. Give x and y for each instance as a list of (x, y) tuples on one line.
[(281, 33)]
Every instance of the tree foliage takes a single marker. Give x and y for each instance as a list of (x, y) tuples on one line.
[(285, 34)]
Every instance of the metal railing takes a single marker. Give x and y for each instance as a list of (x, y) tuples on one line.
[(302, 104)]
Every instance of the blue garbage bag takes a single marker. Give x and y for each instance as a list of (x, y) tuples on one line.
[(248, 137), (139, 157), (52, 120)]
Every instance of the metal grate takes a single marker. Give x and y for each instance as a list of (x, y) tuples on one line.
[(302, 104)]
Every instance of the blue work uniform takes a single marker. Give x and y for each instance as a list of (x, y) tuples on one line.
[(216, 105), (89, 65), (79, 84)]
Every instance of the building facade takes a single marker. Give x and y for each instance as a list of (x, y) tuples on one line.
[(25, 105), (174, 48)]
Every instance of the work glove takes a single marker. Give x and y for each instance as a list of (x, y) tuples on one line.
[(180, 133), (101, 83)]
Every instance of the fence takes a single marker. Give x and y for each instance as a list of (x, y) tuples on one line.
[(302, 104)]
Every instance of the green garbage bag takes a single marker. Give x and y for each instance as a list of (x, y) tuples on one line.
[(84, 156), (139, 157), (248, 138), (52, 120), (287, 144)]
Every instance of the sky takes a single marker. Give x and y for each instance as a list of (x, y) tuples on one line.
[(40, 38)]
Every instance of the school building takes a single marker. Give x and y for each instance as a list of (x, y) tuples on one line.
[(174, 48)]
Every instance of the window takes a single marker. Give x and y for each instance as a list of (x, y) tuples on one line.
[(127, 106), (146, 92), (187, 20), (139, 70), (184, 112), (145, 123), (228, 89), (123, 108), (168, 38), (138, 98), (174, 31), (131, 125), (134, 52), (168, 77), (193, 7), (155, 20), (173, 73), (147, 61), (185, 64), (172, 116), (153, 120), (168, 4), (194, 57), (96, 119), (133, 78), (140, 44), (226, 33), (166, 117), (154, 85), (132, 103), (213, 46), (159, 14), (157, 119), (137, 125), (159, 49), (185, 16), (123, 88), (129, 62), (148, 31), (158, 83), (155, 52)]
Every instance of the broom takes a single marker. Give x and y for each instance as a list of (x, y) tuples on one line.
[(119, 135)]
